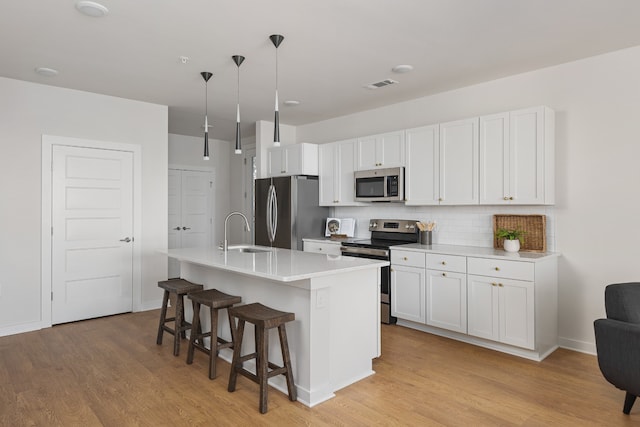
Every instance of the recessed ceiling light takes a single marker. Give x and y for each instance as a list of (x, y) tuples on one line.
[(47, 72), (91, 8), (402, 69), (291, 103)]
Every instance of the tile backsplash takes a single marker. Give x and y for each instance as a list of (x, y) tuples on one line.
[(455, 225)]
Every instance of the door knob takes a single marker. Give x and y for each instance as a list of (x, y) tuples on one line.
[(186, 228), (126, 239)]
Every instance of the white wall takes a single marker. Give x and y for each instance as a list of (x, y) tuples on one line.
[(597, 105), (187, 151), (27, 111)]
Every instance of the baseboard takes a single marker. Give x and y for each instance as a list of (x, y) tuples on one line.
[(579, 346), (22, 328), (150, 305)]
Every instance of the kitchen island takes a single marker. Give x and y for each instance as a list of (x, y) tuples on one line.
[(336, 301)]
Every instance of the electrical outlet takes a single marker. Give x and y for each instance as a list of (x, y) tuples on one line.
[(321, 298)]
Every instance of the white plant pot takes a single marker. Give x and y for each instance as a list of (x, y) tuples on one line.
[(512, 245)]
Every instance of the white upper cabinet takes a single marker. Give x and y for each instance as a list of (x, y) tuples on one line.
[(517, 157), (295, 159), (494, 159), (422, 173), (459, 162), (380, 151), (335, 171)]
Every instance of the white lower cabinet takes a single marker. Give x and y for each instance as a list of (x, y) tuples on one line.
[(502, 310), (408, 285), (322, 247), (408, 293), (447, 292), (447, 300), (495, 302)]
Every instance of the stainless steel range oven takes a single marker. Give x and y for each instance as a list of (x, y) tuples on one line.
[(384, 234)]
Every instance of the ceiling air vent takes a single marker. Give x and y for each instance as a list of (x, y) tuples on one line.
[(380, 84)]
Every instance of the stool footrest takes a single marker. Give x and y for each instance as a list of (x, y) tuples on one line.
[(185, 327), (246, 357), (277, 370)]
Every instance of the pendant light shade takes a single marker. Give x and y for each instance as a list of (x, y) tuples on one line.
[(206, 76), (238, 59), (276, 39)]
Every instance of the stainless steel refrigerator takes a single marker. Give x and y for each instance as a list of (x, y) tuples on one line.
[(287, 209)]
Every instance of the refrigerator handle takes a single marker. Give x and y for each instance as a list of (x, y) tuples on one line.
[(272, 213)]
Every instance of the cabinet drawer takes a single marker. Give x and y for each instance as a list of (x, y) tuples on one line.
[(322, 248), (412, 259), (453, 263), (499, 268)]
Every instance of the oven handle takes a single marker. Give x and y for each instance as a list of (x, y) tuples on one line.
[(347, 250)]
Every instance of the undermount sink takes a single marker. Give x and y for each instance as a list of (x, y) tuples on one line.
[(249, 249)]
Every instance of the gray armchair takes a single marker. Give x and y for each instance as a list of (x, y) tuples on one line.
[(618, 340)]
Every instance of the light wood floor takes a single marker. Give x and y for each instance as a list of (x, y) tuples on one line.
[(110, 372)]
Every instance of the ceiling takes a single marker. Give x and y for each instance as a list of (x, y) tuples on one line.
[(332, 48)]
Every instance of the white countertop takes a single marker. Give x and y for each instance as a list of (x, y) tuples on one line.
[(477, 252), (281, 265)]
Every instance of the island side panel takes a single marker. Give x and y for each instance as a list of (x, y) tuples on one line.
[(354, 305), (280, 296), (336, 332)]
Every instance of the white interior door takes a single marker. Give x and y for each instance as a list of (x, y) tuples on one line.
[(175, 227), (189, 212), (92, 245)]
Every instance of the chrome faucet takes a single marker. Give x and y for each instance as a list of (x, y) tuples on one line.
[(225, 245)]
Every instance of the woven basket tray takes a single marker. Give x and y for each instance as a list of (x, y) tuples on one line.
[(534, 226)]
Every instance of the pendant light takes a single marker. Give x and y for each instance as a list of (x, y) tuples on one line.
[(276, 39), (206, 76), (238, 59)]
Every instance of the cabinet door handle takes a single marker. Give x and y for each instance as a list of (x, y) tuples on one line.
[(443, 263), (444, 274), (511, 198), (497, 268), (501, 285), (505, 198), (494, 284), (186, 228), (177, 228), (405, 258)]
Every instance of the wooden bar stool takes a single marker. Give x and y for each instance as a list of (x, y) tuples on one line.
[(178, 287), (263, 319), (215, 300)]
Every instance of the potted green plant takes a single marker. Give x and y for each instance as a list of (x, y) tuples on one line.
[(512, 238)]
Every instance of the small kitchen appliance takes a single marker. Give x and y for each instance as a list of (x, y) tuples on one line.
[(384, 234), (380, 185)]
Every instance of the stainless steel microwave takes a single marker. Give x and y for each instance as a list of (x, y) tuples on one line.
[(380, 185)]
